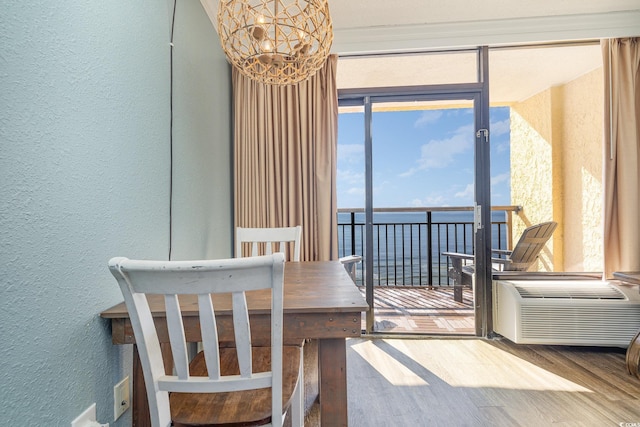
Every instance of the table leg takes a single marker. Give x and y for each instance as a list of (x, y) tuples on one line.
[(139, 403), (332, 364)]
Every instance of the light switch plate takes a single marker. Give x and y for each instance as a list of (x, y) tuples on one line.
[(121, 399)]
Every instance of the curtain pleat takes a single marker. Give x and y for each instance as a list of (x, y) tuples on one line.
[(285, 140), (621, 155)]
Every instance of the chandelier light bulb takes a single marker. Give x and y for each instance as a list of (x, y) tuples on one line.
[(266, 46)]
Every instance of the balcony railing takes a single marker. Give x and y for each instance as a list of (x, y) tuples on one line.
[(408, 242)]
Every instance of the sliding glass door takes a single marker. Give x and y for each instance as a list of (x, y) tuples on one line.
[(420, 147)]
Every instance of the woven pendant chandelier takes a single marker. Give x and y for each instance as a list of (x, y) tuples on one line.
[(275, 41)]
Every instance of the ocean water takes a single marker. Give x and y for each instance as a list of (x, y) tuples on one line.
[(408, 250)]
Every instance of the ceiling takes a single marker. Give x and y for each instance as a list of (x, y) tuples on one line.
[(515, 73), (366, 27), (409, 25)]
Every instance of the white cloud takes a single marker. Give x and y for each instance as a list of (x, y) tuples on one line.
[(495, 180), (428, 117), (432, 200), (409, 172), (466, 193), (349, 176), (503, 177), (351, 153), (440, 153), (500, 128), (498, 191), (357, 191), (502, 147), (499, 196)]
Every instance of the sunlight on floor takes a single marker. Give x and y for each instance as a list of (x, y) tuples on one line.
[(458, 363), (391, 369)]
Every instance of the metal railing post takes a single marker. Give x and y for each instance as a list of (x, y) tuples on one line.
[(353, 233), (429, 248)]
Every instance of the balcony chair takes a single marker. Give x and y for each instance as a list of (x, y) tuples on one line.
[(263, 240), (521, 258), (349, 263), (228, 385)]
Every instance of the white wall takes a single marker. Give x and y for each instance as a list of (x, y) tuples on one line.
[(84, 176)]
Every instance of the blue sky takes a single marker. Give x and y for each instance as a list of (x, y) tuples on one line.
[(420, 158)]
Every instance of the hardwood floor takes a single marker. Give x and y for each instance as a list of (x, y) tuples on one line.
[(477, 382), (466, 381), (407, 310)]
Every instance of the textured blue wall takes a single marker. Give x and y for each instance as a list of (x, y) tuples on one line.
[(84, 176), (202, 215)]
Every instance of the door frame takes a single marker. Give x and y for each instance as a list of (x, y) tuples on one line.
[(479, 93)]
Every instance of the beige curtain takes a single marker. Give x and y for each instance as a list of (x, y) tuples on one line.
[(621, 155), (285, 157)]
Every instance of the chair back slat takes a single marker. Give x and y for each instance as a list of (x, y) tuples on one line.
[(177, 336), (255, 251), (209, 334), (204, 278), (242, 333), (262, 241)]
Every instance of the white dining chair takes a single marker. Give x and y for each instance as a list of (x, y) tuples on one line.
[(221, 385), (265, 241)]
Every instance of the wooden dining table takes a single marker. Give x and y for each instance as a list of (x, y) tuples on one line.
[(321, 302)]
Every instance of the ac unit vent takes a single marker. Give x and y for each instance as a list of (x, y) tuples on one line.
[(566, 312), (605, 291)]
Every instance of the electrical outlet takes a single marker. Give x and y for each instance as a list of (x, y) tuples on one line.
[(121, 400), (86, 418)]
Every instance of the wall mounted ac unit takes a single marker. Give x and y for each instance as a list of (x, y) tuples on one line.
[(566, 312)]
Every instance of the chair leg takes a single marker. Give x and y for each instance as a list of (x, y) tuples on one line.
[(297, 406)]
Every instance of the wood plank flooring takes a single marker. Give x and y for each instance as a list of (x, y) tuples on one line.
[(477, 382), (412, 310)]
